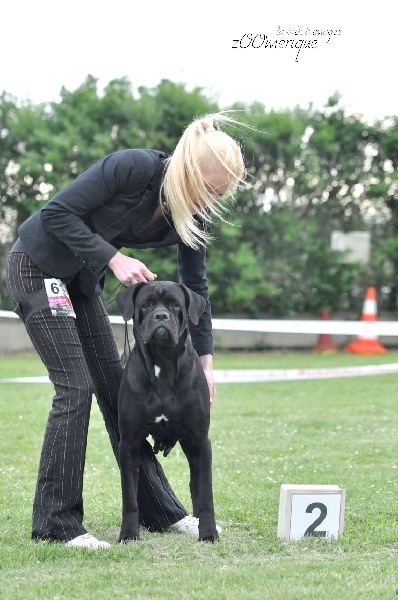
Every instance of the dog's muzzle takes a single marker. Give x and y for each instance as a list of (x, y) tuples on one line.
[(161, 336), (161, 330)]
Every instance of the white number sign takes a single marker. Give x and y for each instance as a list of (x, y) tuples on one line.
[(311, 510)]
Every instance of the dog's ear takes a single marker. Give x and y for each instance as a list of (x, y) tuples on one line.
[(125, 300), (195, 304)]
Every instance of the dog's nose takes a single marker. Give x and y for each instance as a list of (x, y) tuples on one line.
[(162, 315)]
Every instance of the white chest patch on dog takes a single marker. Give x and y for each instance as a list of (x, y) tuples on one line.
[(161, 418), (157, 371)]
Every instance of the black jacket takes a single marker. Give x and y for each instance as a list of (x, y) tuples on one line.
[(108, 207)]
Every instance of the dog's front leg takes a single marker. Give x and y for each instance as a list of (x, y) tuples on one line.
[(201, 487), (129, 461)]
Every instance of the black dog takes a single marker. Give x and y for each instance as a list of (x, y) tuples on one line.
[(164, 393)]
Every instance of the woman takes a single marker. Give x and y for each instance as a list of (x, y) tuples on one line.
[(55, 274)]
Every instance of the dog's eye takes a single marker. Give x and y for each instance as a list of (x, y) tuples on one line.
[(147, 304), (174, 305)]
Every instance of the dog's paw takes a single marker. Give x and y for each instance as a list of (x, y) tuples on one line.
[(209, 537), (125, 538)]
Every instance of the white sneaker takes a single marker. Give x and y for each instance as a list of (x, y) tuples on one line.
[(87, 541), (189, 524)]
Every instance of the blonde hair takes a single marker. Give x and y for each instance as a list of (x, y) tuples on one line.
[(188, 198)]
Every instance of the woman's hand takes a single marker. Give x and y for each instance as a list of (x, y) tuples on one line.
[(207, 364), (129, 270)]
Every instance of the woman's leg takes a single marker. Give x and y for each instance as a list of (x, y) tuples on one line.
[(58, 503), (157, 502)]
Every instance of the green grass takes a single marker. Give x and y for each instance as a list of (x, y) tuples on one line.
[(332, 431)]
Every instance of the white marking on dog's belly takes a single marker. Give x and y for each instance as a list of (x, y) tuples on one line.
[(157, 371), (161, 418)]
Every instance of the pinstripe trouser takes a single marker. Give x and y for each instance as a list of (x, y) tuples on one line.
[(81, 357)]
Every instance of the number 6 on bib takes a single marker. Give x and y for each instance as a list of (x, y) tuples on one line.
[(58, 298)]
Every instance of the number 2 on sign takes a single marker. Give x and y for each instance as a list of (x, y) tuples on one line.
[(315, 514), (310, 531)]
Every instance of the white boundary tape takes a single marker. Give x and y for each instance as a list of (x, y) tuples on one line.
[(252, 376), (363, 328), (255, 376), (40, 379)]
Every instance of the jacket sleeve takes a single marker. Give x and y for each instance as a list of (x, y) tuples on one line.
[(67, 215), (192, 271)]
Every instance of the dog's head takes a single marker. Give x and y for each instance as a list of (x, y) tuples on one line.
[(159, 310)]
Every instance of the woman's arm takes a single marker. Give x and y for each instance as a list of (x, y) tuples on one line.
[(207, 364), (192, 270), (67, 215), (130, 270)]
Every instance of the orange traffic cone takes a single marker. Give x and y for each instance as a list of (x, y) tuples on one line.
[(370, 344), (325, 344)]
